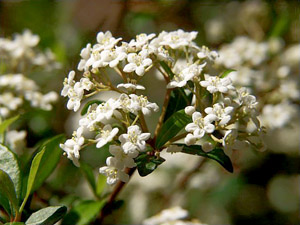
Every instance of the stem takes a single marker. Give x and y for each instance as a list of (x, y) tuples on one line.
[(163, 112), (143, 123), (176, 138)]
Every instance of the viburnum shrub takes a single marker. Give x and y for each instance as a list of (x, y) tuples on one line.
[(202, 114)]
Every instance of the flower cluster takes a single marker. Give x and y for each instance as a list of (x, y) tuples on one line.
[(19, 56), (222, 115), (256, 63)]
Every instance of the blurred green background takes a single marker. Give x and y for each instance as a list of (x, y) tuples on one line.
[(265, 186)]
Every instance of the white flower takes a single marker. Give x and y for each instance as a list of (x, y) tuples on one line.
[(75, 95), (73, 146), (89, 120), (106, 41), (106, 109), (206, 53), (106, 135), (141, 40), (215, 84), (177, 39), (181, 79), (86, 84), (134, 140), (141, 103), (112, 172), (137, 63), (131, 86), (200, 126), (10, 101), (123, 160), (85, 55), (221, 113)]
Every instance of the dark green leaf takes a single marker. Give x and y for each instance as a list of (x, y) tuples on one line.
[(8, 190), (226, 73), (216, 154), (146, 164), (4, 125), (178, 100), (4, 202), (87, 105), (49, 160), (89, 175), (47, 216), (9, 164), (171, 127), (83, 213), (280, 26)]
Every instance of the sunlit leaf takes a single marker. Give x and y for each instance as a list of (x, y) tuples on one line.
[(9, 164), (47, 216), (171, 127)]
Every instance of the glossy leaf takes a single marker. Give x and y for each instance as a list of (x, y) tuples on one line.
[(4, 125), (171, 127), (49, 160), (8, 190), (45, 216), (87, 105), (178, 101), (216, 154), (83, 213), (167, 69), (32, 175), (146, 164), (9, 164), (4, 202)]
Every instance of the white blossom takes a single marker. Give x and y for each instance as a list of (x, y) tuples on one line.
[(134, 140), (123, 160), (73, 146), (112, 172), (141, 103), (106, 135), (16, 139), (131, 86), (221, 113), (177, 39), (181, 79), (215, 84), (199, 127), (137, 63)]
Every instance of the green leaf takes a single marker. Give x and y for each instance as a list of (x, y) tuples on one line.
[(171, 127), (280, 26), (4, 202), (9, 164), (83, 213), (178, 100), (4, 125), (101, 184), (32, 175), (8, 190), (216, 154), (226, 73), (49, 160), (87, 105), (47, 216), (146, 164), (89, 175)]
